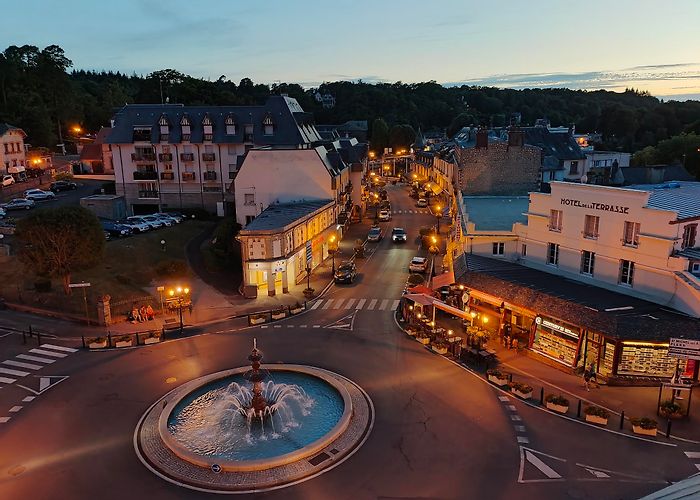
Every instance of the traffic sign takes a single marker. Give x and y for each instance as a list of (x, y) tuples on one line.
[(684, 348)]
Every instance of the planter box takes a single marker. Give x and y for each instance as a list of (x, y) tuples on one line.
[(423, 340), (645, 432), (557, 408), (522, 395), (257, 321), (411, 333), (296, 311), (279, 316), (500, 382), (98, 345), (439, 350), (151, 340), (595, 419), (124, 343)]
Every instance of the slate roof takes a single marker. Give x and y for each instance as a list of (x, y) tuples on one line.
[(292, 125), (6, 127), (280, 215), (466, 137), (598, 309), (663, 173), (558, 146), (680, 197)]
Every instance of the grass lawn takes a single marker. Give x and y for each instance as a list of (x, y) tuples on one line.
[(128, 269)]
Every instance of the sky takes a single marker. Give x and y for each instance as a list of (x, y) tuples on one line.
[(593, 44)]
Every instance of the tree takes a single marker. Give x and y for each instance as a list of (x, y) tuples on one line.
[(380, 136), (459, 121), (57, 242), (401, 137)]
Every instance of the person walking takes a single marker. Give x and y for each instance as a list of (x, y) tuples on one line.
[(586, 378)]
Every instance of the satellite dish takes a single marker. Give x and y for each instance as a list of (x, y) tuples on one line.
[(584, 179)]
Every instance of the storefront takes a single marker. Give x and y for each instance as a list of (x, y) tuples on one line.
[(556, 340)]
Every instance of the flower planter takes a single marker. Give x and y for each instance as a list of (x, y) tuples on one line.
[(439, 350), (257, 321), (98, 345), (411, 333), (423, 340), (279, 316), (151, 340), (297, 311), (522, 395), (595, 419), (638, 429), (124, 343), (500, 382), (557, 408)]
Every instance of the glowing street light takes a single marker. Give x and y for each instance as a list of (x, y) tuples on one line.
[(77, 129), (179, 295)]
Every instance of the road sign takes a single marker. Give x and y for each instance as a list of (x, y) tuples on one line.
[(78, 285), (684, 348)]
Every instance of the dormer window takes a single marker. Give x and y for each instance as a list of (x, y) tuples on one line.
[(208, 128), (268, 126), (230, 125), (142, 134), (164, 128), (186, 130)]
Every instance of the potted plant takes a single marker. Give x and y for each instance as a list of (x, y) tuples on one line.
[(296, 308), (309, 292), (410, 331), (497, 377), (97, 343), (423, 338), (153, 338), (123, 341), (597, 415), (279, 314), (670, 409), (256, 319), (521, 390), (439, 347), (645, 426), (557, 403)]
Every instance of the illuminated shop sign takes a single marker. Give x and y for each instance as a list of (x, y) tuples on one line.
[(556, 327), (595, 206)]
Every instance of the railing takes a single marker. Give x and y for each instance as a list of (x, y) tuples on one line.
[(165, 157), (148, 194), (209, 176), (143, 157), (145, 175), (167, 176), (209, 156), (188, 176), (187, 156)]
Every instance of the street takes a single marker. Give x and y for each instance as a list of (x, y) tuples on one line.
[(441, 431)]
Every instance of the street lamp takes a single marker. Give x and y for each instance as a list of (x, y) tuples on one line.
[(179, 296), (438, 214), (332, 249), (162, 245)]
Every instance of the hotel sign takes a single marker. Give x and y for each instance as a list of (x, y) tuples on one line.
[(605, 207), (684, 348)]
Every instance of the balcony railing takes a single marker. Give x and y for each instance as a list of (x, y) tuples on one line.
[(145, 175), (167, 176), (209, 156), (165, 157), (148, 194), (188, 176), (187, 156), (143, 157), (209, 176)]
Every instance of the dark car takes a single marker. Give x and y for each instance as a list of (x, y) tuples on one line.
[(115, 229), (345, 273), (62, 186)]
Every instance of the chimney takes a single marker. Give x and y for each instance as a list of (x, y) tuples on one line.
[(482, 138), (516, 137)]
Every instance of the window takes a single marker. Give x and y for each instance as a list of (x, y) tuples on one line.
[(573, 168), (249, 199), (524, 250), (626, 272), (553, 254), (498, 248), (587, 262), (689, 234), (631, 234), (248, 133), (142, 134), (590, 228), (268, 126), (230, 125), (555, 219), (164, 128), (550, 175), (185, 125), (208, 128)]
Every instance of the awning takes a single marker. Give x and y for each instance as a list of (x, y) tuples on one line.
[(444, 279), (419, 298), (451, 310), (435, 188), (426, 300), (421, 289)]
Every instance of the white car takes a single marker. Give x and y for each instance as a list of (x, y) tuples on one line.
[(38, 195), (7, 180), (149, 220), (384, 215), (136, 224), (418, 265), (422, 203)]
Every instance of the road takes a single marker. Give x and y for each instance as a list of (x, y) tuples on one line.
[(440, 431), (64, 198)]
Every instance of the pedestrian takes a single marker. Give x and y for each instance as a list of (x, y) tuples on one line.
[(586, 378), (134, 314), (514, 342), (592, 375), (143, 314), (150, 314), (506, 340)]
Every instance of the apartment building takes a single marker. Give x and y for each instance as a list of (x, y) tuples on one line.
[(12, 151)]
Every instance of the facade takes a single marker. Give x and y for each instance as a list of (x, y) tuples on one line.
[(96, 158), (12, 151), (285, 239), (561, 156), (280, 176), (174, 156), (605, 167)]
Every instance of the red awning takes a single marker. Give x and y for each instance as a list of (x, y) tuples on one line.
[(444, 279)]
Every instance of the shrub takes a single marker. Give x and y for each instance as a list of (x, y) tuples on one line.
[(522, 388), (172, 268), (42, 285), (668, 408), (496, 373), (597, 411), (122, 338), (63, 176), (644, 422), (557, 399), (95, 340)]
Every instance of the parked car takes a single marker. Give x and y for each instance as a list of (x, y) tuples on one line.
[(136, 225), (39, 195), (422, 203), (345, 273), (398, 235), (7, 180), (168, 216), (18, 204), (178, 215), (164, 221), (384, 215), (375, 234), (3, 213), (115, 229), (62, 186), (418, 265), (149, 220)]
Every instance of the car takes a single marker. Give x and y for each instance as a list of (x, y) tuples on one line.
[(19, 204), (39, 195), (149, 220), (418, 265), (62, 186), (345, 273), (136, 225), (3, 213), (7, 180), (178, 215), (422, 203), (375, 234), (164, 221), (384, 215), (398, 235), (168, 216), (115, 229)]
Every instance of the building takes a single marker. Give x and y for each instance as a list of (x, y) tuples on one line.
[(561, 156), (281, 176), (605, 167), (12, 151), (175, 156), (96, 158), (655, 174), (349, 129), (283, 241)]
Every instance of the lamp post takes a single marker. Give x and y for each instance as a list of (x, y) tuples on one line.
[(179, 294), (438, 215), (162, 245), (332, 249)]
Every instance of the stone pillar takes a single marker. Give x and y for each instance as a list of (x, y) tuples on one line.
[(104, 311), (285, 283), (271, 283)]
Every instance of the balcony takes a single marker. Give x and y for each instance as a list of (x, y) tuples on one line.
[(188, 176), (209, 176), (145, 175), (167, 176), (187, 156), (148, 194), (209, 156), (143, 157), (165, 157)]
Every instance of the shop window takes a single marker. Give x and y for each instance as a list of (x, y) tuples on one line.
[(498, 248), (555, 220), (626, 272), (689, 235), (553, 254), (590, 228), (630, 237), (587, 262)]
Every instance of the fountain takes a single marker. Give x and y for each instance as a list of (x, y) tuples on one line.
[(256, 427)]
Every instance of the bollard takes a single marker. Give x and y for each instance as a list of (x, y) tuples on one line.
[(668, 429), (578, 410), (109, 339), (137, 339), (38, 338), (24, 337), (82, 337), (31, 334), (622, 419), (541, 395), (162, 333)]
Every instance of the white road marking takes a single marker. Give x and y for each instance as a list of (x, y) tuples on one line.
[(15, 409), (16, 373), (4, 420), (395, 305), (523, 439), (349, 303), (371, 305), (504, 398), (385, 303), (598, 473), (338, 303), (19, 364), (277, 326), (303, 326), (316, 304), (512, 408), (265, 326), (360, 303), (291, 326), (316, 326), (5, 380), (35, 358), (543, 467), (48, 353), (692, 454), (697, 466), (327, 304), (515, 418), (28, 399), (58, 348), (519, 428)]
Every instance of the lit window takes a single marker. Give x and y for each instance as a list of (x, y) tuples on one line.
[(626, 272)]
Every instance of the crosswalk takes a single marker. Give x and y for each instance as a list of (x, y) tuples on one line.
[(11, 370), (416, 211), (357, 304)]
